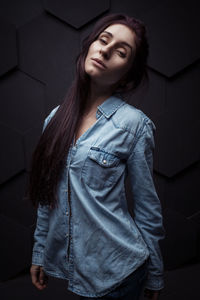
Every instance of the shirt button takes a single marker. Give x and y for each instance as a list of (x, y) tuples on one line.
[(66, 234), (104, 161), (67, 213)]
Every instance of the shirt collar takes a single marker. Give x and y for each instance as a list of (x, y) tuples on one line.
[(110, 105)]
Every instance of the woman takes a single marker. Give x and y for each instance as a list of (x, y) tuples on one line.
[(90, 143)]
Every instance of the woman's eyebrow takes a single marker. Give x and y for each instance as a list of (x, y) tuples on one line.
[(122, 43)]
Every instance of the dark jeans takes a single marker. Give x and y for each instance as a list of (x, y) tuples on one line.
[(130, 288)]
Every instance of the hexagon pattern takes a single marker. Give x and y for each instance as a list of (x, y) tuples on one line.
[(12, 154), (182, 94), (18, 237), (8, 49), (14, 204), (31, 138), (47, 51), (151, 98), (23, 99), (173, 31), (21, 11), (174, 154), (40, 41), (68, 12)]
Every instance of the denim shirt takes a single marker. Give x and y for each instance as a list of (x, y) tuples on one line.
[(90, 239)]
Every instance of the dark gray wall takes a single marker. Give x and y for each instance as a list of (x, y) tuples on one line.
[(39, 43)]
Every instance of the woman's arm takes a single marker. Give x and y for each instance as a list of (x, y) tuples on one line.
[(42, 218), (147, 207), (38, 277), (40, 235)]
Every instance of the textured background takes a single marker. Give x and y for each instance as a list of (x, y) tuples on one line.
[(39, 43)]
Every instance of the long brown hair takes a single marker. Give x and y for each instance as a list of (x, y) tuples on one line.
[(51, 151)]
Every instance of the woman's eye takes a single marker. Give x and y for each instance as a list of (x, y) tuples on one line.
[(122, 54), (103, 41)]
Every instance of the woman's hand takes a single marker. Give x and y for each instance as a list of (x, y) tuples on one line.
[(38, 277), (151, 294)]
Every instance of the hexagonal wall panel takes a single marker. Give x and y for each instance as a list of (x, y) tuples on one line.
[(11, 153), (182, 94), (23, 101), (179, 245), (173, 31), (151, 98), (134, 7), (76, 13), (12, 194), (16, 245), (47, 51), (21, 11), (8, 49), (31, 138), (182, 194), (177, 144)]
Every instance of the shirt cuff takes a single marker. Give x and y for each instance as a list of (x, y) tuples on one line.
[(37, 258), (154, 283)]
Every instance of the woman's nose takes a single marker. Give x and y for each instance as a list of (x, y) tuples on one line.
[(105, 51)]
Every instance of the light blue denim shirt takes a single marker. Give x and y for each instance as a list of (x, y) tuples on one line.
[(91, 239)]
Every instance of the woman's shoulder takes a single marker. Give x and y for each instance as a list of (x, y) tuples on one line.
[(131, 118), (52, 113), (49, 116)]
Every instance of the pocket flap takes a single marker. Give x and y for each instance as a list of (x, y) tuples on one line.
[(103, 158)]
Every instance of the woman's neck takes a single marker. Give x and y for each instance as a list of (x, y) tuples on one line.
[(97, 95)]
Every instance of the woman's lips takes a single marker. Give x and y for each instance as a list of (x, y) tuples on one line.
[(98, 64)]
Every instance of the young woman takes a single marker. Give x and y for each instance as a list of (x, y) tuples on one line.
[(90, 143)]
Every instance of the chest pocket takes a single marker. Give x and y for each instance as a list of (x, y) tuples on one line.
[(100, 168)]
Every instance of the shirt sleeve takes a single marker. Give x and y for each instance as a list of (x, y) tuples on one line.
[(146, 204), (42, 223), (40, 235)]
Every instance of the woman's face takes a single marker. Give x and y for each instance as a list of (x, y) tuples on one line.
[(115, 48)]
